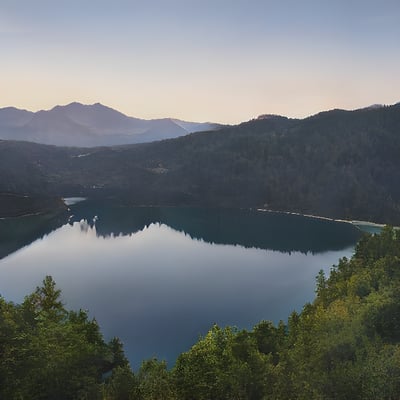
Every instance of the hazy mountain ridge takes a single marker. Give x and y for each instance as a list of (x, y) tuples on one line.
[(89, 125), (11, 116), (340, 164)]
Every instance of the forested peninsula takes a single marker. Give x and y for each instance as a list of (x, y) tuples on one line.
[(337, 164), (344, 345), (18, 205)]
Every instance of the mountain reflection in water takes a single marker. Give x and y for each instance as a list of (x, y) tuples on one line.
[(248, 228)]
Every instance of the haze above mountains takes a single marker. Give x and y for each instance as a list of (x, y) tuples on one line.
[(90, 125)]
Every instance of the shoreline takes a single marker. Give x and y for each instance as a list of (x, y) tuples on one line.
[(70, 201), (356, 223), (14, 205), (24, 215)]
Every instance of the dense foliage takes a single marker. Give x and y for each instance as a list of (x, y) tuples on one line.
[(345, 345), (47, 352), (341, 164)]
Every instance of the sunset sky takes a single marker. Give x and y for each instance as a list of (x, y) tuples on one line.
[(205, 60)]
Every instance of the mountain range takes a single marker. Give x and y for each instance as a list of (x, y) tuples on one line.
[(339, 164), (82, 125)]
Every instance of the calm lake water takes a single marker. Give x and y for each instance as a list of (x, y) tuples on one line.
[(160, 277)]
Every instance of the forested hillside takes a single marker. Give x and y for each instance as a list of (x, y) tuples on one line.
[(345, 345), (16, 205), (342, 164)]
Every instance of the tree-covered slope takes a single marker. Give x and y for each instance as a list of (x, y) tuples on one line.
[(15, 205), (342, 164)]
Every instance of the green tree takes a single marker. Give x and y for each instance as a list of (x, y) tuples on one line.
[(154, 381), (121, 385), (47, 352)]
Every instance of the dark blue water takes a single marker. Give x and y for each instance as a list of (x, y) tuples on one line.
[(160, 277)]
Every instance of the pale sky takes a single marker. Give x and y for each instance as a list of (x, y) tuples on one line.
[(205, 60)]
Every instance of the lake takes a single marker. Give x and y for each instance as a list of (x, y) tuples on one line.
[(159, 277)]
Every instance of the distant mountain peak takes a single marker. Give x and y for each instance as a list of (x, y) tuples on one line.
[(101, 106), (11, 108), (89, 125), (373, 107), (376, 106), (73, 104), (269, 116)]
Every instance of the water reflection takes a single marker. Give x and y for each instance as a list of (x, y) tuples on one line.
[(159, 289), (247, 228), (16, 233)]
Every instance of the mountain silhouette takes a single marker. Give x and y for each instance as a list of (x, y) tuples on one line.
[(93, 125)]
